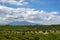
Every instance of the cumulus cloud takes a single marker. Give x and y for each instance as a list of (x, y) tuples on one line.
[(8, 15), (15, 2)]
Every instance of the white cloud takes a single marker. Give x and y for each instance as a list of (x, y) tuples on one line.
[(8, 15), (20, 2)]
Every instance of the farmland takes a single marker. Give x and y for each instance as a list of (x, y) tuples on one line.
[(30, 32)]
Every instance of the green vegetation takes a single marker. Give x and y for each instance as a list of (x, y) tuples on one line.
[(28, 36), (30, 27), (8, 32)]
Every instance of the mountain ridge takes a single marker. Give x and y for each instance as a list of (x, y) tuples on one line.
[(21, 23)]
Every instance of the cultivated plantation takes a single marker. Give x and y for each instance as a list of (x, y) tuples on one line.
[(30, 32)]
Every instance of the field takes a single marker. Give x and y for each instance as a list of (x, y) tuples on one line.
[(35, 32)]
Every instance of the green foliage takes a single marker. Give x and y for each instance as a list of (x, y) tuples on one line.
[(20, 32), (29, 36), (30, 27)]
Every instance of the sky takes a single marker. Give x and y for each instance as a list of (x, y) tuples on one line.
[(33, 11)]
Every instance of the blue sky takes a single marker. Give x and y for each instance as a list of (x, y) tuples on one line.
[(35, 11), (47, 5)]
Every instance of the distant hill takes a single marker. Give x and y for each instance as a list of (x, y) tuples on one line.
[(22, 23)]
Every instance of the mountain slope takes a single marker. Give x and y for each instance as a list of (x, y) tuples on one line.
[(21, 23)]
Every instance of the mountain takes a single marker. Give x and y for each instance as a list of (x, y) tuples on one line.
[(21, 23)]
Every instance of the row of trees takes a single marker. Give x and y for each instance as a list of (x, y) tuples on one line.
[(31, 27)]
